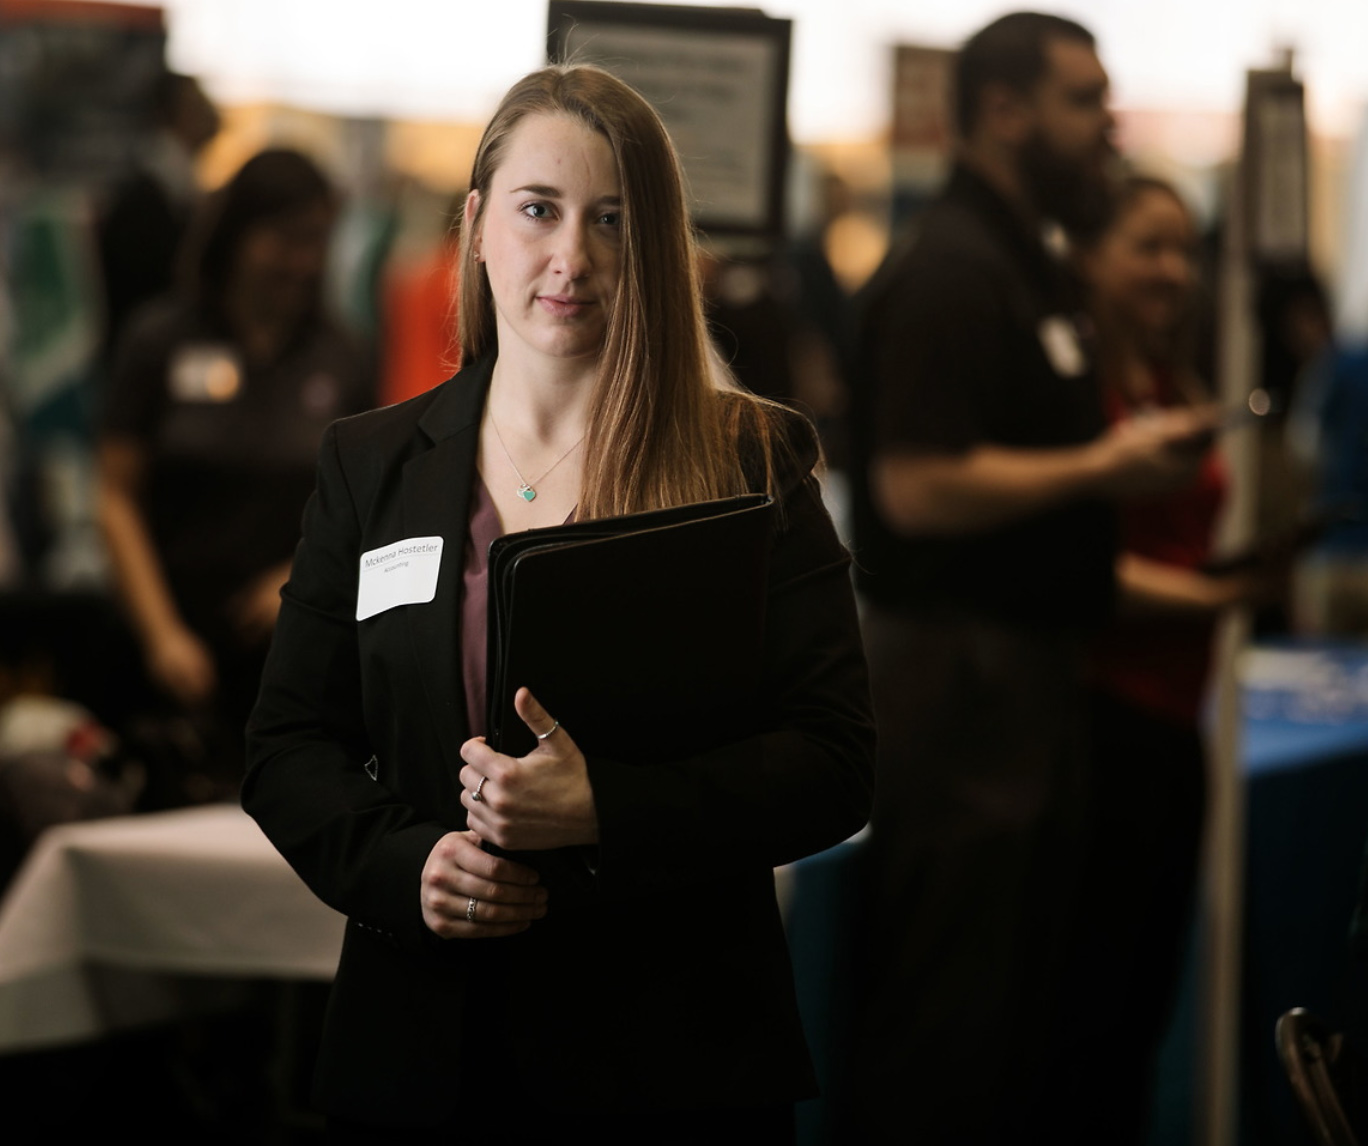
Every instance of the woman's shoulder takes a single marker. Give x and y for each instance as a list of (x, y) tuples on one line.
[(777, 444), (397, 422), (781, 455), (137, 389), (435, 414)]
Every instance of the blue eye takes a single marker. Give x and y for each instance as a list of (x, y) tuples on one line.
[(537, 210)]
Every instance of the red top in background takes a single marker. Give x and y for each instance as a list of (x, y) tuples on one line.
[(1161, 663)]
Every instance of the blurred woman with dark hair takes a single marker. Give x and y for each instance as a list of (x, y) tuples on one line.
[(1150, 666), (216, 405)]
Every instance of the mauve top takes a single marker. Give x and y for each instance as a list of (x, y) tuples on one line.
[(484, 527)]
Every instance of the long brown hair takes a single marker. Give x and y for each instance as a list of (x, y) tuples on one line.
[(663, 427)]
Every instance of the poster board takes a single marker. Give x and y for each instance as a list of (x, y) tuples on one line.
[(1275, 172), (921, 135), (719, 79), (76, 79)]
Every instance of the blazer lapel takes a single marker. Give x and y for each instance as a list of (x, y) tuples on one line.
[(435, 502)]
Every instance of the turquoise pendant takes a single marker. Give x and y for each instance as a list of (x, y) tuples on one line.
[(526, 492)]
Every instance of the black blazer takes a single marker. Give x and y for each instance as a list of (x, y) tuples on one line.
[(667, 984)]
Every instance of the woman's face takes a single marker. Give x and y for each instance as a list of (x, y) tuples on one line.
[(280, 260), (1141, 270), (549, 238)]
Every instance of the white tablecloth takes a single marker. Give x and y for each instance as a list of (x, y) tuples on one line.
[(103, 911)]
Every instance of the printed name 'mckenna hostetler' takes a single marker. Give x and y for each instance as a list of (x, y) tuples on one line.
[(400, 551)]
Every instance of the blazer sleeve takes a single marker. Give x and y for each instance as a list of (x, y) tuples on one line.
[(805, 782), (358, 846)]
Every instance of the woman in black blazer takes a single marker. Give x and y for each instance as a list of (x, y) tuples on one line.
[(470, 1005)]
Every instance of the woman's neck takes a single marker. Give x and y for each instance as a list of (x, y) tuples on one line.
[(1125, 359), (531, 453), (549, 406), (1126, 372)]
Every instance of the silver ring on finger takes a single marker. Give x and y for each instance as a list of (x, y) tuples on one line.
[(470, 909), (548, 732), (475, 795)]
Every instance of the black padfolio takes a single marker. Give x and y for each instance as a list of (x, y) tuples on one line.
[(643, 634)]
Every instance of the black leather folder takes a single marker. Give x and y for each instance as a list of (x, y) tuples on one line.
[(642, 634)]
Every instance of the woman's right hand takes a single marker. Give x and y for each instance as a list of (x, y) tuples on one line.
[(506, 896), (182, 665)]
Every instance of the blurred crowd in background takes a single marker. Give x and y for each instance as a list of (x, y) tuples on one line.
[(144, 229), (161, 257), (148, 234)]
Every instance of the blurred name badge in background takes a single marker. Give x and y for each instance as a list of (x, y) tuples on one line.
[(1059, 339), (205, 372)]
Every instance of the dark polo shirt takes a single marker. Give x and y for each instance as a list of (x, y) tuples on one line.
[(968, 338), (231, 446)]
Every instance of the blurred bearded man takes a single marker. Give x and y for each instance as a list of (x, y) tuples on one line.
[(985, 547)]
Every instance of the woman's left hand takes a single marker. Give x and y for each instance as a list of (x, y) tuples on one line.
[(530, 803)]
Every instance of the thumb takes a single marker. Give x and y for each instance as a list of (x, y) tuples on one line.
[(532, 714)]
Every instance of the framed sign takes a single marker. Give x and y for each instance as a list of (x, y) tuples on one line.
[(921, 98), (76, 82), (922, 134), (1277, 217), (719, 79)]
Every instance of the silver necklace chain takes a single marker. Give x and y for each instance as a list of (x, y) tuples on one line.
[(527, 489)]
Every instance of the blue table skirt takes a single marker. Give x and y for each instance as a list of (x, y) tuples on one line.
[(1306, 765)]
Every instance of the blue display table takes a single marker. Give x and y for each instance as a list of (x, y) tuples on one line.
[(1305, 757), (1306, 766)]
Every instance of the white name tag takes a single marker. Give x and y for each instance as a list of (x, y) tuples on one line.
[(1062, 348), (404, 573), (204, 372)]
